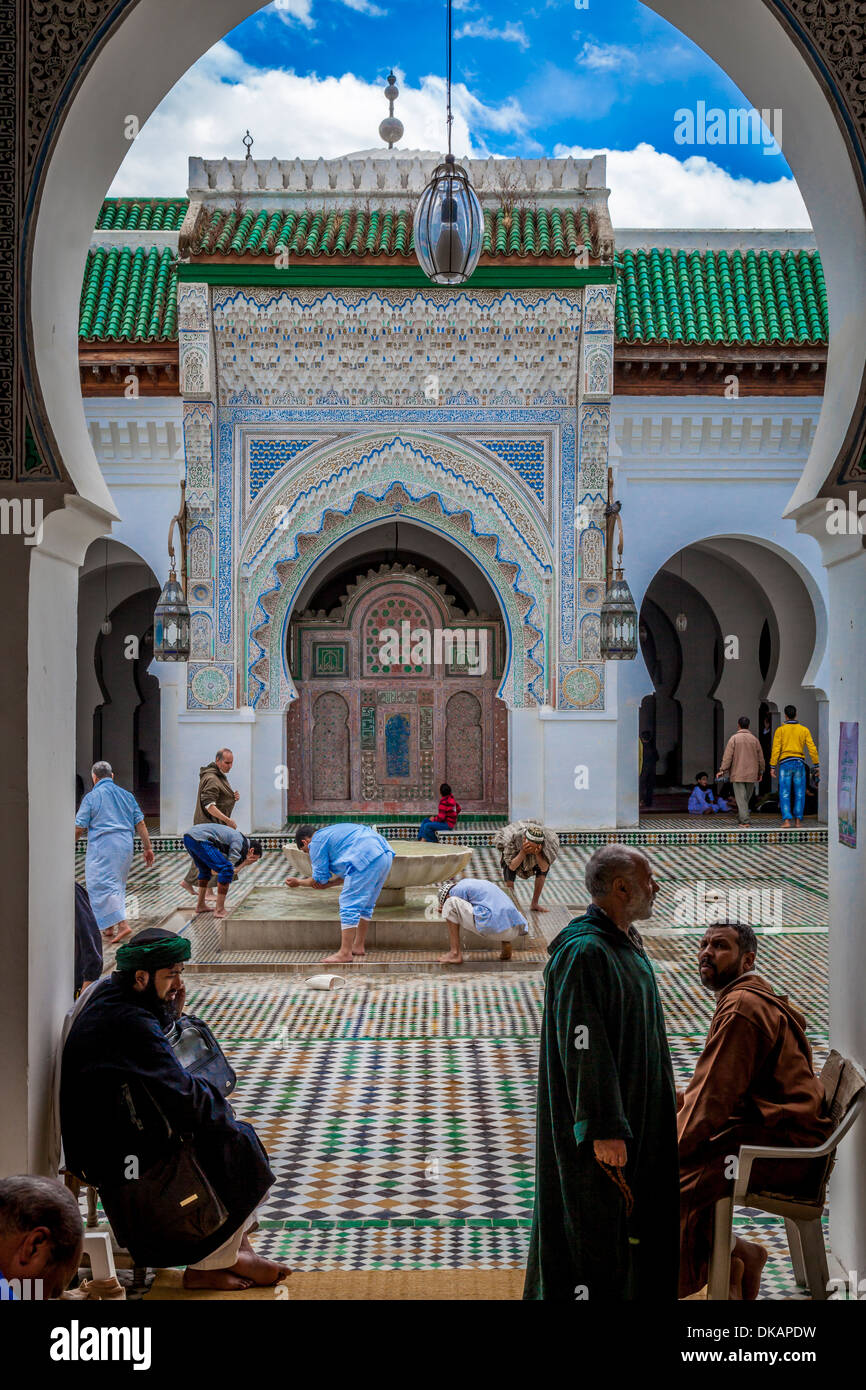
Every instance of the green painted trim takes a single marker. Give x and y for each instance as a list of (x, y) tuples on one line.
[(394, 276)]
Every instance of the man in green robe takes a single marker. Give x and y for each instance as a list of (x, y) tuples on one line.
[(606, 1220)]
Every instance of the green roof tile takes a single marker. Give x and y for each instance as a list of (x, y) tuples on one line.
[(142, 214), (129, 296), (756, 297), (752, 297), (511, 231)]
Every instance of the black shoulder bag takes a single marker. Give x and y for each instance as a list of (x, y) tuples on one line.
[(163, 1215)]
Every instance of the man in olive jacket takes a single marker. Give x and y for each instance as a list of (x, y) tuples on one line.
[(215, 802)]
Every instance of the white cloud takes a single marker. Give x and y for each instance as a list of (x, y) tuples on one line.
[(649, 188), (209, 109), (483, 29), (295, 12), (607, 57)]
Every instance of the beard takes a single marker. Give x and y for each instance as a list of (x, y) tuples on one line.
[(150, 1000)]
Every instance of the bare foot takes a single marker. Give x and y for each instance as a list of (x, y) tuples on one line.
[(257, 1269), (505, 951), (362, 952), (452, 958), (735, 1292), (536, 907), (121, 935), (786, 825), (796, 824), (189, 888), (338, 959), (214, 1279), (220, 912), (753, 1258)]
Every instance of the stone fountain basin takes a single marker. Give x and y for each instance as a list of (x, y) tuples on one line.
[(417, 864)]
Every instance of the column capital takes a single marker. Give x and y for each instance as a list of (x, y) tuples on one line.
[(813, 518)]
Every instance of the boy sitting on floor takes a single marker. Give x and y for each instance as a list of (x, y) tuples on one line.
[(702, 801)]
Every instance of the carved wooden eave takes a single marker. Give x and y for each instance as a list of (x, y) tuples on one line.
[(677, 369)]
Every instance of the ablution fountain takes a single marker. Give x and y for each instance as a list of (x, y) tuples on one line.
[(277, 918)]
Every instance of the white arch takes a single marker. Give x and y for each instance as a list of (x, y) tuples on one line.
[(137, 66)]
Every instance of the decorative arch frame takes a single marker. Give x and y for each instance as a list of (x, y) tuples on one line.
[(357, 485)]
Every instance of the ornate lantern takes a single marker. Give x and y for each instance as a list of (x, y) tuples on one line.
[(171, 615), (619, 621), (448, 225)]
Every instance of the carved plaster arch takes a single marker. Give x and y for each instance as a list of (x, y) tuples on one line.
[(274, 569)]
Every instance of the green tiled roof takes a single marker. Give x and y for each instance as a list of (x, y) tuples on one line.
[(750, 297), (129, 296), (554, 233), (142, 214)]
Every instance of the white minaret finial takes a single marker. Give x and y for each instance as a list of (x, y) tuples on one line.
[(391, 129)]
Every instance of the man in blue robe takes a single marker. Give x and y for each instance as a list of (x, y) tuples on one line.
[(110, 818), (606, 1223), (360, 857), (125, 1099)]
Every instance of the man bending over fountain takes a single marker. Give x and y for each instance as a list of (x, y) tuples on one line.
[(360, 858)]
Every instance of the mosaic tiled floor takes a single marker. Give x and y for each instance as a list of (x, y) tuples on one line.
[(398, 1110)]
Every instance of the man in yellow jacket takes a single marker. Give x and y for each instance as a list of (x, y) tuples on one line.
[(789, 741)]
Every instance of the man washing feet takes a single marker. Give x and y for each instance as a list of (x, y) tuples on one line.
[(753, 1084), (356, 856)]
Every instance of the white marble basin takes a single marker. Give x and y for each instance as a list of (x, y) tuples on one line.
[(416, 864)]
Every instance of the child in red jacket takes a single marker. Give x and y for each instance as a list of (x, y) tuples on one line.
[(445, 818)]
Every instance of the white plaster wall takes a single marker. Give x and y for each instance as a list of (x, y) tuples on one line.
[(546, 749), (139, 448)]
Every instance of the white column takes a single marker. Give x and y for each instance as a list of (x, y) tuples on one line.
[(37, 815), (845, 561)]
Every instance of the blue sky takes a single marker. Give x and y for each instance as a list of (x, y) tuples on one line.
[(306, 77)]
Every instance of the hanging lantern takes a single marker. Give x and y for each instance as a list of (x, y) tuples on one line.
[(618, 622), (448, 225), (681, 622), (105, 627), (618, 625), (171, 615)]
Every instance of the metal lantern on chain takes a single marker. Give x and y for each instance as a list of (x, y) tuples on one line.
[(619, 620), (448, 226), (171, 615)]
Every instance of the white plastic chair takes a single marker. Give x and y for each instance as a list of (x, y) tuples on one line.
[(844, 1085)]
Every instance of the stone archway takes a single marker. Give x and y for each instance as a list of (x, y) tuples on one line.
[(464, 502)]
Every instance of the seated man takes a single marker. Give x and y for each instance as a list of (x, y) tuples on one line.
[(479, 905), (218, 849), (445, 818), (125, 1098), (702, 801), (41, 1238), (526, 850), (361, 858), (753, 1084)]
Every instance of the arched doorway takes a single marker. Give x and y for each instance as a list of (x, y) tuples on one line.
[(396, 669), (727, 628), (117, 699)]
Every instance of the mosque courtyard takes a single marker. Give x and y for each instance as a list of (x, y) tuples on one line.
[(398, 1109)]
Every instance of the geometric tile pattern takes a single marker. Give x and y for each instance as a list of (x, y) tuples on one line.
[(398, 1111)]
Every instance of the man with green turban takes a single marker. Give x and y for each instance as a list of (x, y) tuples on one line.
[(125, 1102)]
